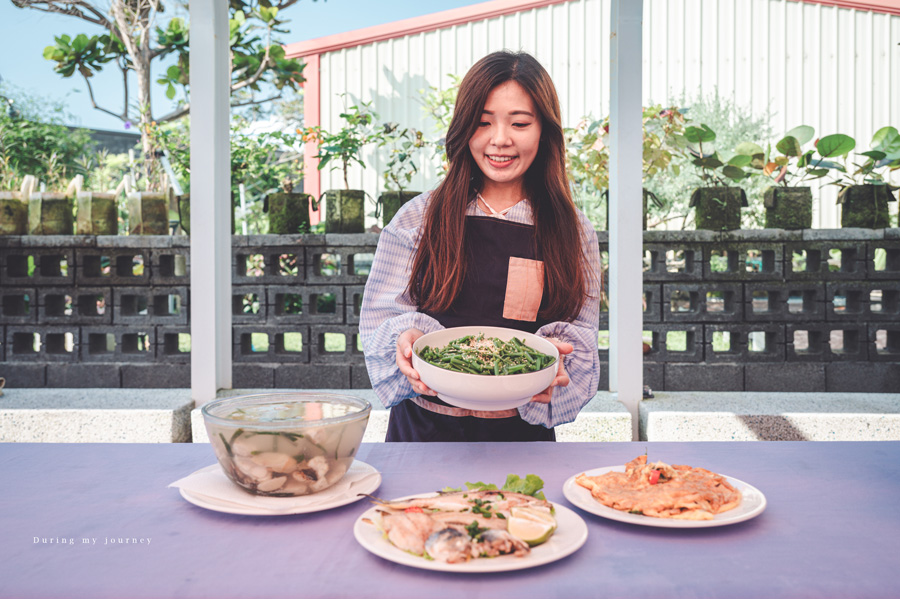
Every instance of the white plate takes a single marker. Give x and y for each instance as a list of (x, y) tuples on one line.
[(753, 503), (367, 485), (571, 533)]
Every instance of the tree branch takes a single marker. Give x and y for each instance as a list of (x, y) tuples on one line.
[(122, 117), (252, 102), (69, 7)]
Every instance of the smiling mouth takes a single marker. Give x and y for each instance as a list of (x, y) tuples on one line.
[(500, 158)]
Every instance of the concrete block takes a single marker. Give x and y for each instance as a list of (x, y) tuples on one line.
[(320, 345), (281, 265), (863, 301), (790, 301), (758, 416), (844, 234), (743, 261), (282, 343), (826, 260), (170, 266), (95, 415), (75, 305), (320, 304), (881, 377), (662, 348), (884, 342), (82, 376), (113, 266), (253, 375), (169, 344), (244, 300), (794, 376), (337, 265), (28, 266), (704, 377), (821, 342), (312, 376), (30, 343), (23, 375), (18, 305), (891, 260), (676, 261), (150, 305), (352, 302), (359, 378), (747, 343), (118, 344), (703, 302), (149, 376)]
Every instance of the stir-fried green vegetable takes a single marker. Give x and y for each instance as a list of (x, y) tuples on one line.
[(477, 355)]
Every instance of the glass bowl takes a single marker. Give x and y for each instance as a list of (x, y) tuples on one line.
[(286, 444)]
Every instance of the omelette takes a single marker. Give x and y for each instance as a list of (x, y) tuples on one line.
[(659, 490)]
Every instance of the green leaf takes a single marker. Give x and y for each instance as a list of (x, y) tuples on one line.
[(740, 160), (531, 485), (789, 146), (749, 149), (817, 172), (875, 154), (734, 172), (803, 134), (480, 486), (173, 72), (170, 91), (835, 145), (886, 138), (699, 134)]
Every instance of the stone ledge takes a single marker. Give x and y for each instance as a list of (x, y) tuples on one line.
[(95, 416), (602, 419), (749, 416)]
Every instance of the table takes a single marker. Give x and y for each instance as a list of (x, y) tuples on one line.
[(831, 527)]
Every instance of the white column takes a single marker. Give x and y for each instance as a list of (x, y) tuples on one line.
[(210, 200), (626, 372)]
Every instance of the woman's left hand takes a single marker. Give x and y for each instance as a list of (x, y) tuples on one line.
[(562, 378)]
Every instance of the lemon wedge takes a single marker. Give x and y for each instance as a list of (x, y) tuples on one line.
[(534, 526)]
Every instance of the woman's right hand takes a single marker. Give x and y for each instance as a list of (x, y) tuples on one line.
[(404, 360)]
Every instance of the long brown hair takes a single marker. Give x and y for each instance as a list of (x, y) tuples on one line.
[(439, 268)]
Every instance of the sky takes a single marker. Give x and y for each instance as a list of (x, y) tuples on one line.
[(24, 33)]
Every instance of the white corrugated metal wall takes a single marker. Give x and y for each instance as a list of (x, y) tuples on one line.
[(835, 69)]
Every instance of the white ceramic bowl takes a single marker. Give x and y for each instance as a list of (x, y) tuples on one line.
[(484, 392)]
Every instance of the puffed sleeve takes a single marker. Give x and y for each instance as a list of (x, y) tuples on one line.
[(387, 309), (583, 364)]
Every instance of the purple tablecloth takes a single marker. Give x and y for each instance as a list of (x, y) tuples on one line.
[(831, 528)]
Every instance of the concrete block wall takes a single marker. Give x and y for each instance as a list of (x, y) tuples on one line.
[(750, 310)]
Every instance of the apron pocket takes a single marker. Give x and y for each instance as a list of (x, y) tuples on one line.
[(524, 289)]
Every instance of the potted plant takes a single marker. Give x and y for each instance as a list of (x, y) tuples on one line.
[(401, 167), (288, 211), (864, 191), (14, 207), (96, 213), (717, 204), (788, 204), (344, 212)]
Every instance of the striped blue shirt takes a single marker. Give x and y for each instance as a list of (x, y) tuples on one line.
[(388, 310)]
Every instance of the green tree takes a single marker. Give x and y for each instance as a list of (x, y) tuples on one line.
[(34, 141), (135, 37)]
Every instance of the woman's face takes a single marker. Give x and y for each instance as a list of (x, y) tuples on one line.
[(508, 136)]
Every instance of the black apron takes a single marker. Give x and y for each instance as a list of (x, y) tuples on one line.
[(491, 244)]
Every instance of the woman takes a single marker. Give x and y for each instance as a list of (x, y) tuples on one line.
[(499, 242)]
